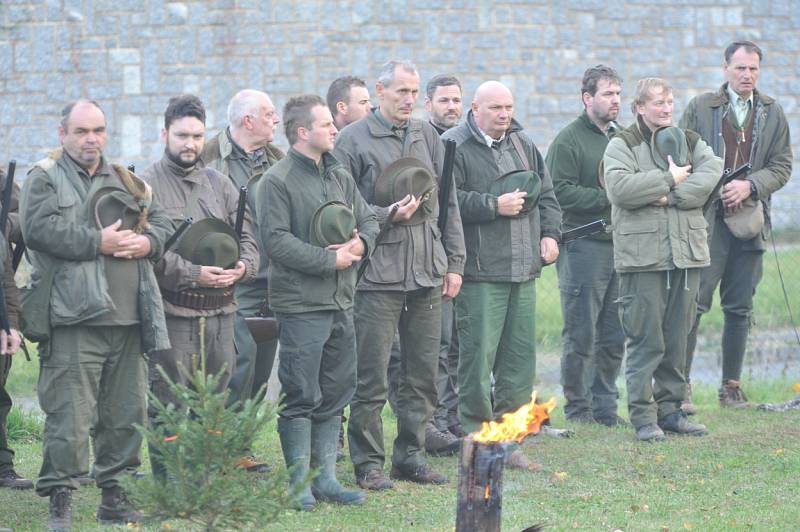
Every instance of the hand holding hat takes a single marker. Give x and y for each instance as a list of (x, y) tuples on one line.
[(406, 208), (348, 252), (679, 173), (511, 203), (217, 277)]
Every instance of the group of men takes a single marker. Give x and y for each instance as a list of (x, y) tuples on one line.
[(359, 254)]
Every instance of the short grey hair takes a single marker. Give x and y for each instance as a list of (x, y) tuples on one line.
[(386, 74), (245, 102), (67, 110)]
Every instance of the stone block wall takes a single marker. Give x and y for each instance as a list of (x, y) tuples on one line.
[(132, 56)]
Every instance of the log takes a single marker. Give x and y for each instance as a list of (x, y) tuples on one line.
[(480, 486)]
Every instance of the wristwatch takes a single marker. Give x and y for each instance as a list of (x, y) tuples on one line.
[(753, 191)]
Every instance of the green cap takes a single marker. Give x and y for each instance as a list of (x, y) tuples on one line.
[(332, 223)]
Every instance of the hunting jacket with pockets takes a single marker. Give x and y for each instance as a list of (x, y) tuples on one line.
[(649, 237), (217, 198), (500, 248), (408, 257), (63, 240), (771, 152)]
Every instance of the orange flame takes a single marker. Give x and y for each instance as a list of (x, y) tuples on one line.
[(514, 426)]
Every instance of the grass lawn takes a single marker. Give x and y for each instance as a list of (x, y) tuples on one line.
[(744, 476)]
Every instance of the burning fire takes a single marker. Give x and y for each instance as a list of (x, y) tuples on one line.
[(514, 426)]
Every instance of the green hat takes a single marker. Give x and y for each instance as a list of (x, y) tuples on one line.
[(522, 180), (110, 204), (669, 140), (403, 177), (209, 242), (332, 223)]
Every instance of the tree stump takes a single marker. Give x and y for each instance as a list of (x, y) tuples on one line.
[(480, 486)]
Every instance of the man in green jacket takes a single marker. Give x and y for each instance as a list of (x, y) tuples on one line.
[(508, 242), (742, 125), (192, 289), (244, 151), (592, 338), (312, 288), (660, 246), (411, 269), (95, 285)]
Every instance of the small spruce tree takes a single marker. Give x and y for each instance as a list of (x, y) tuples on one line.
[(200, 442)]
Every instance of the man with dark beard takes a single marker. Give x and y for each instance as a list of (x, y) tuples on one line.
[(191, 289), (592, 336)]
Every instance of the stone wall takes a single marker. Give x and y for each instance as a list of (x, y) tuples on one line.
[(132, 56)]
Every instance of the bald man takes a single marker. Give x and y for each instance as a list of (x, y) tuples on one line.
[(508, 243), (244, 151)]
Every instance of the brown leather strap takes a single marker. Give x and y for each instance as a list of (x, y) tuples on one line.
[(520, 150), (198, 300)]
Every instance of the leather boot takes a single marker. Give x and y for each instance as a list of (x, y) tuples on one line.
[(116, 509), (295, 435), (325, 487), (60, 510)]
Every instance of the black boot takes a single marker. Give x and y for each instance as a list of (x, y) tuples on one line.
[(116, 509), (60, 510)]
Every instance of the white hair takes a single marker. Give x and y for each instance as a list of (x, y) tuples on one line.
[(245, 102)]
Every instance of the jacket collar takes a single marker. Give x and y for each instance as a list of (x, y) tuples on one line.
[(378, 129), (328, 161), (613, 126), (721, 99), (477, 134), (194, 174)]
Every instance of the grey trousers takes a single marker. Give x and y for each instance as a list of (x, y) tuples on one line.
[(184, 336), (6, 454), (317, 363), (657, 310), (417, 317), (91, 376), (592, 338), (737, 272), (446, 413)]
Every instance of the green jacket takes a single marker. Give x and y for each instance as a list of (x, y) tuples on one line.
[(573, 159), (649, 237), (220, 154), (409, 257), (65, 246), (500, 248), (303, 277), (771, 153)]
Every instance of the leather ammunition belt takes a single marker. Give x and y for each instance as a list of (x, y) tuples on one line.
[(198, 300)]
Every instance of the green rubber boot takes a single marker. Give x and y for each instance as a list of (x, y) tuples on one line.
[(295, 435), (325, 487)]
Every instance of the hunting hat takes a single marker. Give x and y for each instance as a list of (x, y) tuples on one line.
[(522, 180), (110, 204), (332, 223), (209, 242), (670, 140), (403, 177)]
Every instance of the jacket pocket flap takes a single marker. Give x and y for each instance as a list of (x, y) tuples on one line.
[(697, 222), (634, 229)]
